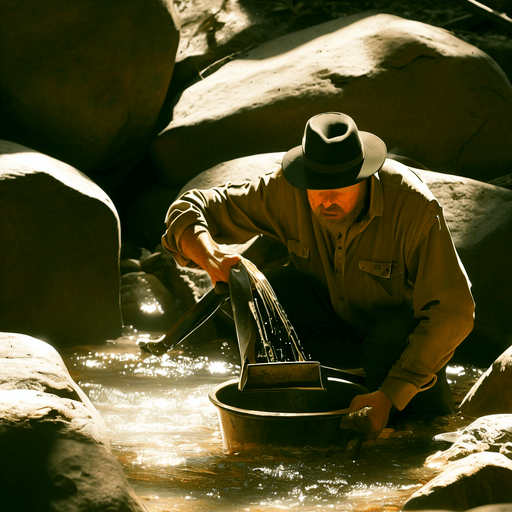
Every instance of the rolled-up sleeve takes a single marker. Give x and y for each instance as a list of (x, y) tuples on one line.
[(232, 214), (443, 306)]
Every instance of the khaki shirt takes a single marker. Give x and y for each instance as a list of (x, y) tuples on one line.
[(400, 253)]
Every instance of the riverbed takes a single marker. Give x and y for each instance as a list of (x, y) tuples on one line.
[(166, 434)]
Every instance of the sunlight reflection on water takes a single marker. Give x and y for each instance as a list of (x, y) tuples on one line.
[(166, 434)]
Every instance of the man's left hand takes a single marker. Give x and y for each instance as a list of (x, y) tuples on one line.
[(369, 413)]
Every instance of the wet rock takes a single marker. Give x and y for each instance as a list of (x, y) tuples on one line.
[(99, 484), (151, 263), (491, 433), (29, 364), (477, 480), (426, 93), (129, 265), (87, 85), (147, 304), (69, 418), (54, 445), (492, 393), (60, 251)]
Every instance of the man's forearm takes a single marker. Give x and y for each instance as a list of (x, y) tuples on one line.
[(197, 245)]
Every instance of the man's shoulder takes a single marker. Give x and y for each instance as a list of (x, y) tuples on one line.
[(397, 176)]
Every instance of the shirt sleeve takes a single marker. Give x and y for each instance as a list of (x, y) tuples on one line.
[(444, 307), (232, 214)]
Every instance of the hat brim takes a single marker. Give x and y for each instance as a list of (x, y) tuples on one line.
[(301, 176)]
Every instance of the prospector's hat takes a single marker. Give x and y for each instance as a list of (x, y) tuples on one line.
[(333, 154)]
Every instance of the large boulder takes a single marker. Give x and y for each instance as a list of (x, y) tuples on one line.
[(54, 445), (85, 81), (492, 393), (60, 251), (477, 480), (479, 216), (425, 92)]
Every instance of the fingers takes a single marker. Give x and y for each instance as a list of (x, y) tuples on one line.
[(360, 401), (369, 413), (358, 420), (219, 266)]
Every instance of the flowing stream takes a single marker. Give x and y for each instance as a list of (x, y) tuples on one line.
[(166, 434)]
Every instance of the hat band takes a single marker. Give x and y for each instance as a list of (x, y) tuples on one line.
[(332, 169)]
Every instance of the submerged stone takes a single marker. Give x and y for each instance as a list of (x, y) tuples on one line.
[(489, 433), (477, 480), (492, 393)]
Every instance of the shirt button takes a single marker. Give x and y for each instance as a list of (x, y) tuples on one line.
[(341, 298), (340, 247), (377, 267), (338, 271)]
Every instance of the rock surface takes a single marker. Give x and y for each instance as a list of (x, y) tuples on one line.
[(477, 480), (54, 445), (60, 251), (87, 85), (492, 393), (426, 93), (479, 216), (147, 304), (212, 30), (489, 433)]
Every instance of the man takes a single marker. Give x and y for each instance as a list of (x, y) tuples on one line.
[(375, 281)]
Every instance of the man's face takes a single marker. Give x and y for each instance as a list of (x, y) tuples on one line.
[(338, 203)]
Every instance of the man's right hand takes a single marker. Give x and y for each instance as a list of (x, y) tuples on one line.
[(199, 246)]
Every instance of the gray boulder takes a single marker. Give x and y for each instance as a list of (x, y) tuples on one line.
[(60, 251), (492, 393), (477, 480), (85, 81), (54, 445), (425, 92)]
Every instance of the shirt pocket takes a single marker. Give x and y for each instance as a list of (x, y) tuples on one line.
[(299, 254), (298, 249), (382, 283)]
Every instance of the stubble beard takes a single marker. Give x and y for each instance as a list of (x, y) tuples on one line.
[(341, 224)]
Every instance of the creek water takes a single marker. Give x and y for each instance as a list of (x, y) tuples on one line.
[(166, 434)]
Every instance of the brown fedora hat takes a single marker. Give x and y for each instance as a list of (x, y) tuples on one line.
[(333, 154)]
